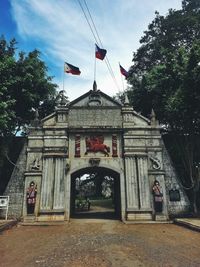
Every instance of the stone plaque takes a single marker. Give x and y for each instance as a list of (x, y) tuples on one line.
[(174, 195)]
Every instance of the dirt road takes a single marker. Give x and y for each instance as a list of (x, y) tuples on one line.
[(91, 243)]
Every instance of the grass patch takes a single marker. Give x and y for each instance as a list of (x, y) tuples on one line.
[(105, 203)]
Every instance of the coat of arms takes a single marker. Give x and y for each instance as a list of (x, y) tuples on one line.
[(96, 144)]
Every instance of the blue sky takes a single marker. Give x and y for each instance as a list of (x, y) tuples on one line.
[(59, 30)]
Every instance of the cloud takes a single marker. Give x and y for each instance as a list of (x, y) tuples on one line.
[(62, 34)]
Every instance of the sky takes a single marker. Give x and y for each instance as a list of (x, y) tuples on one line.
[(59, 30)]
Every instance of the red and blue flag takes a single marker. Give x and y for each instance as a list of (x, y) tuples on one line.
[(99, 52), (68, 68), (123, 71)]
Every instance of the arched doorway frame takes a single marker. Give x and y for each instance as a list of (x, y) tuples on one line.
[(110, 169)]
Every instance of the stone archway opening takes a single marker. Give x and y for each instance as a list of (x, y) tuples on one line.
[(95, 193)]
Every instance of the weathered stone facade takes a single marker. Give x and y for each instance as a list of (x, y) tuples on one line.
[(57, 149), (15, 187)]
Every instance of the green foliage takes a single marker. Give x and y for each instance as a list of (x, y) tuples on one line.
[(165, 76), (24, 86), (166, 70)]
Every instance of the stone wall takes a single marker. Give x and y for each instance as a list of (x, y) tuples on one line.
[(15, 187), (172, 182)]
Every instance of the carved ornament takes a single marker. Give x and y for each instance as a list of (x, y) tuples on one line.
[(94, 161), (35, 166), (156, 164)]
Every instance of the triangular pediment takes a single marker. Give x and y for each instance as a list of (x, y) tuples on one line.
[(95, 104), (94, 99)]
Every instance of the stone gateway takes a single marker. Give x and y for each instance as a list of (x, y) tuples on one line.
[(95, 132)]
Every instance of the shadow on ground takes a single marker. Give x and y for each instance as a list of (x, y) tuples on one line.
[(96, 215)]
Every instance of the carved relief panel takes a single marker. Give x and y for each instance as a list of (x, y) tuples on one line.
[(95, 145)]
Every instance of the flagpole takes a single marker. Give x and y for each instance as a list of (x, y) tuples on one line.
[(64, 77), (95, 64), (121, 78)]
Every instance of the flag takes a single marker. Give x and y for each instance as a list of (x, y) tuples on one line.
[(123, 71), (99, 52), (68, 68)]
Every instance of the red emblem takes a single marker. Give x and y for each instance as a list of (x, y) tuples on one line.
[(95, 144)]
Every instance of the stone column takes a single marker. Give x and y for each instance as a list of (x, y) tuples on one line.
[(59, 184), (137, 188), (67, 195), (144, 189), (46, 201), (131, 183)]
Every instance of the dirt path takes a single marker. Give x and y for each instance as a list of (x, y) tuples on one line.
[(91, 243)]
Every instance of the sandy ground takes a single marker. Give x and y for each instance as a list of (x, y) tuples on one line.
[(101, 243)]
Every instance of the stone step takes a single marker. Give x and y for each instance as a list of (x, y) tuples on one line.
[(160, 217), (29, 219)]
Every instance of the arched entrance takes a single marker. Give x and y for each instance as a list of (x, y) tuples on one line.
[(95, 193)]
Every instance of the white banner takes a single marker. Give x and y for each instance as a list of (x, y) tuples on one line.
[(4, 202)]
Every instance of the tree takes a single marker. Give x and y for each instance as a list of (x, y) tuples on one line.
[(165, 76), (24, 86)]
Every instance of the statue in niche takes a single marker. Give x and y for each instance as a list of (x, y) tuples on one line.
[(158, 196), (96, 144), (31, 194), (36, 164)]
